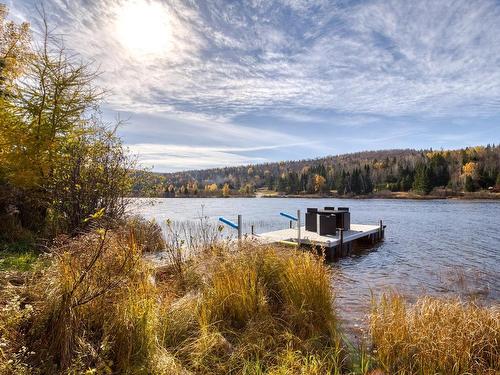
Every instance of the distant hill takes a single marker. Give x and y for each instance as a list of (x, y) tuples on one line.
[(421, 171)]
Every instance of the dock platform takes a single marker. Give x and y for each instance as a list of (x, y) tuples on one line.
[(335, 245)]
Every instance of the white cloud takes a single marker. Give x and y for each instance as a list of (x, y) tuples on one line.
[(172, 157)]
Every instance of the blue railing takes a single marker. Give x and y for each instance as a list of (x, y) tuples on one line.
[(288, 216), (228, 222)]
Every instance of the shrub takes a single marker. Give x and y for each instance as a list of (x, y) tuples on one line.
[(98, 305), (260, 302), (96, 308)]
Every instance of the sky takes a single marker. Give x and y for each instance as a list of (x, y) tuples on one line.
[(206, 83)]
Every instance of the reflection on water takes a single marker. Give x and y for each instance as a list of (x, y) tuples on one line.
[(438, 247)]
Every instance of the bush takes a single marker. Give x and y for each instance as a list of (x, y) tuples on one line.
[(260, 303), (97, 308)]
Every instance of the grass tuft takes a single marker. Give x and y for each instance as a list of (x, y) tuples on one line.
[(436, 336)]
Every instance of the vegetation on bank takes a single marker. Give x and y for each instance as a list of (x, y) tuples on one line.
[(419, 172), (96, 305), (435, 336)]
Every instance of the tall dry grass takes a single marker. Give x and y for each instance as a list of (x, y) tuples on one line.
[(147, 233), (231, 308), (435, 336), (94, 307), (100, 307), (257, 307)]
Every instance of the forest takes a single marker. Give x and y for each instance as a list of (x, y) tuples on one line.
[(420, 171)]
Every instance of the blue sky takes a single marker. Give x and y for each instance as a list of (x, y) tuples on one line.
[(216, 83)]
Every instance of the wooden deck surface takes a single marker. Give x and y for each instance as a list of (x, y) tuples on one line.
[(357, 231)]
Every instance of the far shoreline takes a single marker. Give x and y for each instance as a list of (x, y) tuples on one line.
[(485, 196)]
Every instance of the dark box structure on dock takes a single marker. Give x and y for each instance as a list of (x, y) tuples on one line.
[(326, 221)]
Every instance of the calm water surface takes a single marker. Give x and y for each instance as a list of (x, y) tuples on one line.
[(437, 247)]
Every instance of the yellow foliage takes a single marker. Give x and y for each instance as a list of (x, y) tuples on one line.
[(226, 190), (14, 48), (212, 188), (432, 154), (319, 182), (469, 169)]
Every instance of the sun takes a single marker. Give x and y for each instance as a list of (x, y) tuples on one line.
[(143, 27)]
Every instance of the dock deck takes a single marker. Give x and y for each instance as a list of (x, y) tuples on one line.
[(357, 231)]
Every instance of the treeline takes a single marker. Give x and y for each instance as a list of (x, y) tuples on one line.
[(59, 162), (420, 171)]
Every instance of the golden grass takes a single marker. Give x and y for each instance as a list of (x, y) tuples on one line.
[(436, 336), (234, 309), (246, 309), (252, 313), (94, 307), (147, 233)]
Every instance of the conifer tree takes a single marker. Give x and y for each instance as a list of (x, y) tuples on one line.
[(422, 183)]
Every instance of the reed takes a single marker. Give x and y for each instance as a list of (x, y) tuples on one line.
[(259, 303), (147, 233), (435, 336)]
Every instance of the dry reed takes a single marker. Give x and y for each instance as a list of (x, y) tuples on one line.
[(436, 336)]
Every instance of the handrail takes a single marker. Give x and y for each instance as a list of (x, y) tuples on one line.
[(238, 227), (288, 216), (228, 222)]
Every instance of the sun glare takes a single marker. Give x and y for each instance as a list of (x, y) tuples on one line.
[(143, 27)]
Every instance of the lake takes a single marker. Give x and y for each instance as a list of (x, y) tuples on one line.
[(435, 247)]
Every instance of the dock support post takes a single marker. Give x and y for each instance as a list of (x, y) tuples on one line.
[(341, 245), (298, 227), (381, 231), (252, 230), (240, 227)]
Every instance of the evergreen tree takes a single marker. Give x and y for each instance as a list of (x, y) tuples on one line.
[(282, 184), (368, 180), (422, 183), (469, 184), (293, 183), (356, 182), (439, 168)]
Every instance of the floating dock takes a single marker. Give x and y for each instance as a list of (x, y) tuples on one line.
[(338, 245), (337, 234)]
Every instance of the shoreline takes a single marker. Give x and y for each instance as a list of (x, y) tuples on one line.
[(399, 196), (492, 197)]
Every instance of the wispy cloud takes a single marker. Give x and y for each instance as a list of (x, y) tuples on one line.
[(172, 157), (380, 57)]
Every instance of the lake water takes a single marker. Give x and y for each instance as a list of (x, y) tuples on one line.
[(436, 247)]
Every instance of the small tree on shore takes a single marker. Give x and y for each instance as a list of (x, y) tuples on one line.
[(226, 191), (59, 160)]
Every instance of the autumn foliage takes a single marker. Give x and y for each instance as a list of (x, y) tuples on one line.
[(59, 162)]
